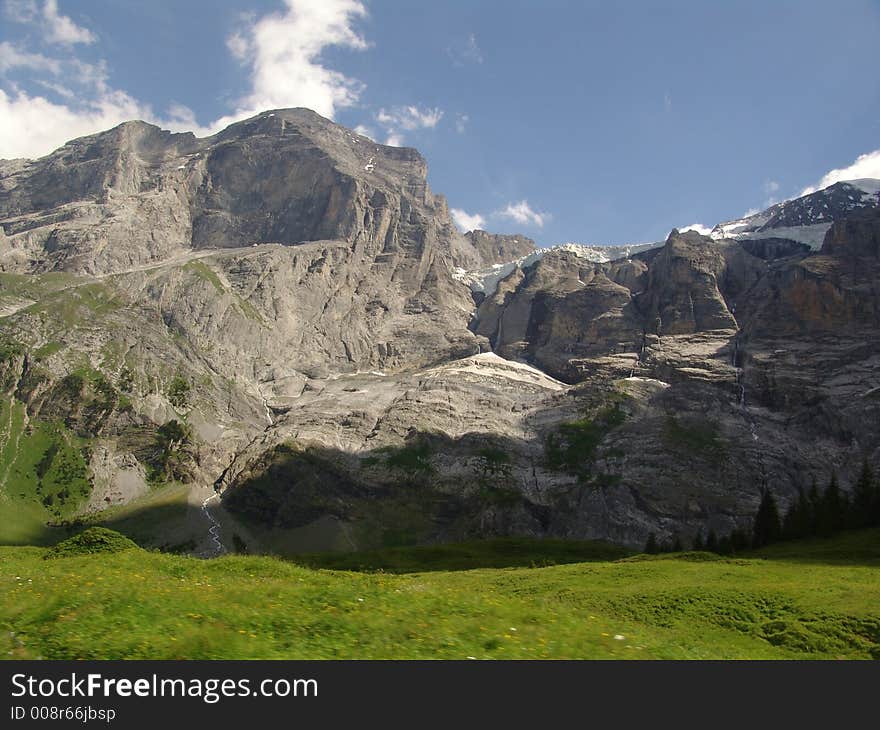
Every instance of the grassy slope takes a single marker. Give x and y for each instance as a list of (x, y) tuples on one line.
[(42, 461), (149, 605)]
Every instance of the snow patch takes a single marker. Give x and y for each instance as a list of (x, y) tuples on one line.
[(867, 185), (489, 364), (812, 236), (487, 280)]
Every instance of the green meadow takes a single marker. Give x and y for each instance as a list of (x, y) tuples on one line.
[(101, 597)]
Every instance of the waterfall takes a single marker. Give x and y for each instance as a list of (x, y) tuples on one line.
[(739, 372), (741, 385)]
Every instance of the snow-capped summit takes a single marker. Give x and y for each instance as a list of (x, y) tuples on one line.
[(486, 280), (805, 219)]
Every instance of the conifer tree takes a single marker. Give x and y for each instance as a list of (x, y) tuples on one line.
[(651, 547), (814, 505), (712, 542), (739, 541), (766, 528), (864, 495), (698, 543), (800, 517), (789, 522), (831, 510)]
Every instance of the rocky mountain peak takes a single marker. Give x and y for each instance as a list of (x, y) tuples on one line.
[(136, 194), (496, 248), (806, 219)]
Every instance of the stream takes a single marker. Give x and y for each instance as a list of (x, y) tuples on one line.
[(214, 529)]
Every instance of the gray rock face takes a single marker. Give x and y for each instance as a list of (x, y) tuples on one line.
[(279, 311), (137, 195), (376, 294), (496, 248)]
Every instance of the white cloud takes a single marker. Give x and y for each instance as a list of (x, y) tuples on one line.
[(365, 132), (409, 118), (61, 29), (11, 57), (465, 221), (865, 166), (64, 92), (238, 46), (20, 11), (771, 186), (523, 214), (31, 126), (461, 121), (698, 227), (282, 50)]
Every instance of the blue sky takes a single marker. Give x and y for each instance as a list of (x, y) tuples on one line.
[(594, 122)]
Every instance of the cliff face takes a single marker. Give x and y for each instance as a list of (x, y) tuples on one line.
[(376, 294), (495, 248), (278, 311), (137, 195)]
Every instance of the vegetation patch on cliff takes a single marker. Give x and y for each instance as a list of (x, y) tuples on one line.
[(572, 447)]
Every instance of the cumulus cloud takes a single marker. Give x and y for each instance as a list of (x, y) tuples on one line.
[(523, 214), (31, 126), (282, 50), (365, 131), (698, 227), (865, 166), (61, 29), (461, 121), (467, 221)]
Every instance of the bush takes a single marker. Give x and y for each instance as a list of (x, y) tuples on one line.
[(178, 392), (91, 541)]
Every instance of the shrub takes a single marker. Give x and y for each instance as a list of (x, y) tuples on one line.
[(178, 392), (91, 541)]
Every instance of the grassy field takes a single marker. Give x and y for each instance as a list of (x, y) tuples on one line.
[(818, 599), (43, 475)]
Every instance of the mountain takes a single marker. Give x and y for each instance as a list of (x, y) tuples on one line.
[(804, 220), (284, 313), (496, 248)]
